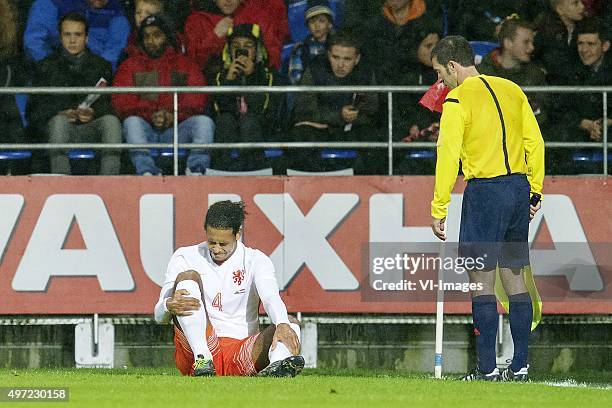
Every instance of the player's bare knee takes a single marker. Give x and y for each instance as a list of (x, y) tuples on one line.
[(293, 319)]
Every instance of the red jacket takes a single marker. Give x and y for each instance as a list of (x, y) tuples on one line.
[(271, 15), (171, 69)]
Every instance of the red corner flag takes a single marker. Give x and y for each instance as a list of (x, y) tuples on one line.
[(434, 97)]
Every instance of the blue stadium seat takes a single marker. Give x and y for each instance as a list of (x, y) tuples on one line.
[(168, 152), (339, 154), (482, 48), (421, 154), (81, 154), (14, 162), (589, 161), (15, 154), (297, 24), (273, 153)]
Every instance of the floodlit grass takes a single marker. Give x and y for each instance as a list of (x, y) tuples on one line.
[(314, 388)]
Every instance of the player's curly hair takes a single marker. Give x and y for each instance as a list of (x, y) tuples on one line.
[(226, 215)]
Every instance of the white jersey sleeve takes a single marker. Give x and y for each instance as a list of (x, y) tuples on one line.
[(161, 311), (267, 288), (176, 265)]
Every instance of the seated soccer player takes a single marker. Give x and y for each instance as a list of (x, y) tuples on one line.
[(212, 292)]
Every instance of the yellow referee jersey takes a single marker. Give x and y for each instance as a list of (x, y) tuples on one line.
[(486, 123)]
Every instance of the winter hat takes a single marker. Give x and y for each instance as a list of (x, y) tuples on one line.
[(163, 23), (318, 7)]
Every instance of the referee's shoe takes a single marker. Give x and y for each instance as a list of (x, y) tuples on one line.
[(520, 375), (477, 375)]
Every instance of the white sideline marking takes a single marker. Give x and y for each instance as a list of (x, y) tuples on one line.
[(574, 384)]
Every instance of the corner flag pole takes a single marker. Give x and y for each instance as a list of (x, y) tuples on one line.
[(438, 360), (439, 327)]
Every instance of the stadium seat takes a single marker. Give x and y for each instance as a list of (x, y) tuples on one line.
[(588, 161), (15, 154), (342, 172), (418, 162), (81, 154), (297, 25), (482, 48), (81, 161), (260, 172), (168, 153)]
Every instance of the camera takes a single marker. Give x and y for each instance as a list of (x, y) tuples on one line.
[(241, 51)]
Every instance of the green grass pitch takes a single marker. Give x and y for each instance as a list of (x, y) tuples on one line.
[(151, 388)]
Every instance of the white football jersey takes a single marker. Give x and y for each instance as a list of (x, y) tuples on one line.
[(232, 290)]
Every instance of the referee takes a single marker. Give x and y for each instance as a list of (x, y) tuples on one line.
[(488, 125)]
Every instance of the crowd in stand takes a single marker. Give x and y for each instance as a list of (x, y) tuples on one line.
[(252, 42)]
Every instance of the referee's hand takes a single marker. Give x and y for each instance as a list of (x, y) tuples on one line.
[(533, 209), (438, 228)]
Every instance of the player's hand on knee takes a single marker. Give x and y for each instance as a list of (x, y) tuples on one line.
[(533, 209), (285, 334), (180, 304)]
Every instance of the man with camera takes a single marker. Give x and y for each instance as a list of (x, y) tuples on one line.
[(339, 117), (245, 117)]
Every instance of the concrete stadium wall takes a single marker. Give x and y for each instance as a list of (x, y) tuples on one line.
[(403, 347)]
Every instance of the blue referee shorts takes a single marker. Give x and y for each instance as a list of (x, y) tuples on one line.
[(495, 221)]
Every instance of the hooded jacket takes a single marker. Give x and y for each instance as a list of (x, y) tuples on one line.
[(171, 69), (271, 15)]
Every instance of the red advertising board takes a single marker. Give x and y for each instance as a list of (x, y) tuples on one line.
[(80, 245)]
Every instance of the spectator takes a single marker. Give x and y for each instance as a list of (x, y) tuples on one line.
[(335, 116), (206, 30), (391, 38), (11, 75), (67, 118), (320, 19), (249, 117), (142, 10), (108, 27), (596, 70), (411, 121), (478, 20), (149, 117), (555, 44), (578, 117), (512, 60)]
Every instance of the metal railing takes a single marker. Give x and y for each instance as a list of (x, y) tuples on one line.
[(389, 144)]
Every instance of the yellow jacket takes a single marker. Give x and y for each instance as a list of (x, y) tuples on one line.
[(486, 123)]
